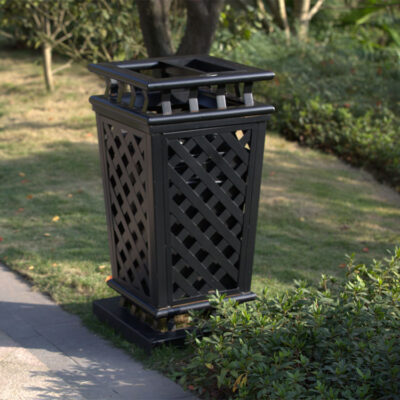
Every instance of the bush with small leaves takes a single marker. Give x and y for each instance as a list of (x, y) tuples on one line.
[(371, 140), (341, 340), (334, 95)]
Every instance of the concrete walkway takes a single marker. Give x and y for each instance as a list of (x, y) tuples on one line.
[(46, 353)]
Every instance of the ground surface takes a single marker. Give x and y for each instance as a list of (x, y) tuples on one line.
[(46, 353), (313, 208)]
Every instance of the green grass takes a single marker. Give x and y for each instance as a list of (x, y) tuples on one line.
[(313, 208)]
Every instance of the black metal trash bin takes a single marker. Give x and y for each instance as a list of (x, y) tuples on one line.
[(181, 147)]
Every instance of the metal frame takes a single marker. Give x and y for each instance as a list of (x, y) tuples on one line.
[(198, 85), (181, 179), (224, 72)]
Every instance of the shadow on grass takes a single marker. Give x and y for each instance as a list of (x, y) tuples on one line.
[(310, 216), (313, 211), (63, 182)]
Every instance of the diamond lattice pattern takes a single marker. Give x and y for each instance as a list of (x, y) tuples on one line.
[(207, 188), (128, 198)]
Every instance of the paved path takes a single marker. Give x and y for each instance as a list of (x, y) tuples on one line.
[(46, 353)]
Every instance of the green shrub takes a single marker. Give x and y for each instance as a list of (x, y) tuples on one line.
[(371, 140), (341, 341), (333, 94)]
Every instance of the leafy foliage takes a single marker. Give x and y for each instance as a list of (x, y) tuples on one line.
[(341, 340), (110, 29), (39, 23), (102, 30), (370, 140), (374, 24), (237, 25), (336, 95)]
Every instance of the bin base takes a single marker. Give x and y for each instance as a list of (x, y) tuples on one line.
[(131, 328)]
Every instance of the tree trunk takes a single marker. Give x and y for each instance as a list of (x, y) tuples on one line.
[(302, 8), (201, 24), (278, 10), (265, 22), (303, 13), (284, 19), (156, 30), (48, 73)]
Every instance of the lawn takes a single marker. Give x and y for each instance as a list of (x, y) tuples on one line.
[(314, 209)]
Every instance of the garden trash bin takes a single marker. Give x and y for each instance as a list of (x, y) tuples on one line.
[(181, 144)]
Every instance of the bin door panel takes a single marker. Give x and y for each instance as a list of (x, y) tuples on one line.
[(208, 185), (124, 155)]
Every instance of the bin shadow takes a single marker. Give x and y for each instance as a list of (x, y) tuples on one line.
[(286, 249)]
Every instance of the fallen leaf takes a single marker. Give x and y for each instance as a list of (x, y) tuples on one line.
[(46, 234), (365, 249), (302, 219), (89, 134), (102, 266), (31, 267), (29, 196), (342, 265), (54, 265), (69, 195), (21, 174), (55, 218)]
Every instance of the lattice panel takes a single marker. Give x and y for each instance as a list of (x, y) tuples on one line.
[(125, 154), (207, 189)]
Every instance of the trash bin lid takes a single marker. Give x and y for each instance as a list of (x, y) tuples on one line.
[(180, 85)]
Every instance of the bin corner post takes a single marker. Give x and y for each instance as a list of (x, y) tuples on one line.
[(252, 206), (181, 143), (158, 222), (102, 136)]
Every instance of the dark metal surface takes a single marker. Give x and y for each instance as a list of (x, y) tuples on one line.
[(171, 310), (209, 186), (100, 102), (173, 89), (181, 174), (181, 209), (132, 328), (179, 71)]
